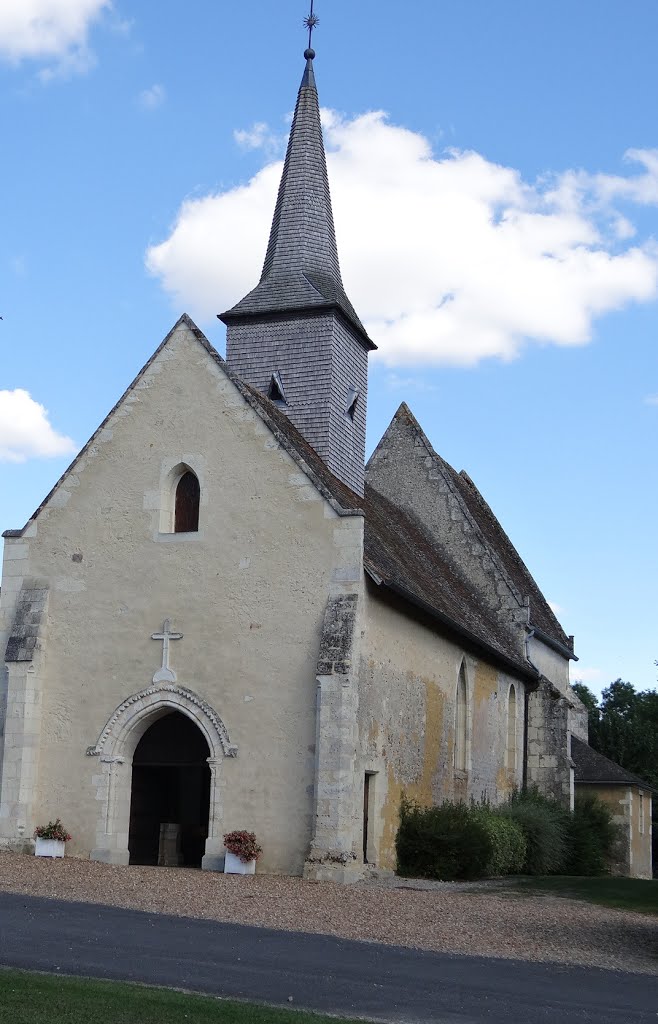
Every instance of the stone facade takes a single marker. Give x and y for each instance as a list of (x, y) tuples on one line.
[(406, 718), (248, 591)]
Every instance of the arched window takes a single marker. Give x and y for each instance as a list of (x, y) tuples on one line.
[(511, 729), (461, 722), (186, 514)]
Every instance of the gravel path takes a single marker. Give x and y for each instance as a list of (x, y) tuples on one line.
[(441, 918)]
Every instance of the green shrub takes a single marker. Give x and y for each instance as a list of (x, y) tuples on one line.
[(508, 841), (592, 837), (446, 842), (530, 834), (546, 826)]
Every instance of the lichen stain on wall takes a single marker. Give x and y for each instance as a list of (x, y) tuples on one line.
[(422, 787), (487, 708)]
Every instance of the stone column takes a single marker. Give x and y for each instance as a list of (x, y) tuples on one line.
[(113, 792), (334, 847), (21, 755), (213, 858)]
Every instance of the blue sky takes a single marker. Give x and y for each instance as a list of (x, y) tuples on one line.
[(495, 179)]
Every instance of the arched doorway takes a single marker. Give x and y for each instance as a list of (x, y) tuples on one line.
[(170, 787), (115, 748)]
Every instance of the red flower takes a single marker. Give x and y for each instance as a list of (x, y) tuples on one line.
[(243, 845), (53, 830)]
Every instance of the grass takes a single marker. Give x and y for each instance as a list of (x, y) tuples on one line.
[(620, 893), (27, 998)]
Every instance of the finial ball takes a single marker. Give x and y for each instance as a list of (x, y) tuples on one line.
[(309, 54)]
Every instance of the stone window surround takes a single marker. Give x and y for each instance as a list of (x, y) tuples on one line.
[(512, 748), (115, 749), (162, 503), (462, 772)]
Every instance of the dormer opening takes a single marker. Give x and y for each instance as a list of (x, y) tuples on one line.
[(275, 391), (351, 403)]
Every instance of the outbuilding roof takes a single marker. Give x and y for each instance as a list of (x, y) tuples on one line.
[(591, 767)]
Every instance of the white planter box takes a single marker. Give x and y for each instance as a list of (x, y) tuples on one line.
[(234, 866), (49, 848)]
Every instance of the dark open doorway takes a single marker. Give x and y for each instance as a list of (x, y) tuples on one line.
[(170, 785), (368, 805)]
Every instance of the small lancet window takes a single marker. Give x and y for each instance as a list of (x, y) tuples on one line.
[(275, 392), (511, 729), (351, 403), (461, 723), (188, 494)]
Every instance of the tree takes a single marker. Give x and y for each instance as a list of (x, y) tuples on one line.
[(593, 712)]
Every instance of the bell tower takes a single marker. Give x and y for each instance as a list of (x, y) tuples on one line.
[(296, 337)]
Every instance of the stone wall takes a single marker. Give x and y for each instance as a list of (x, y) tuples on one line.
[(408, 686), (549, 758), (634, 848), (248, 592)]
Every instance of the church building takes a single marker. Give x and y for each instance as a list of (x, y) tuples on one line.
[(221, 618)]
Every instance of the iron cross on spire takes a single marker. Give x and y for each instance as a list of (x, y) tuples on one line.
[(165, 674), (311, 22)]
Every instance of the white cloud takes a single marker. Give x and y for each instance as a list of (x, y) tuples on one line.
[(584, 674), (49, 30), (25, 431), (260, 136), (556, 608), (448, 259), (152, 98), (405, 382)]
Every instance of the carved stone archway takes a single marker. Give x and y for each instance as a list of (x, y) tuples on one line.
[(115, 749)]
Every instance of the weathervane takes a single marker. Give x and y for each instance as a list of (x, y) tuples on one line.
[(311, 22)]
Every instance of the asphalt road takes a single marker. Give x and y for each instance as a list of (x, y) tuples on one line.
[(319, 972)]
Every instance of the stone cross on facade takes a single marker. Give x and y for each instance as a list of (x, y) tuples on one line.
[(165, 674)]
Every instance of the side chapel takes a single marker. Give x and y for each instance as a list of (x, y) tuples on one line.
[(225, 620)]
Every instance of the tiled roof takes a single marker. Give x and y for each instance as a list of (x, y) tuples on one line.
[(592, 767), (408, 559), (541, 615), (301, 269)]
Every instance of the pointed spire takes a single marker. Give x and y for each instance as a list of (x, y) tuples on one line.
[(301, 269)]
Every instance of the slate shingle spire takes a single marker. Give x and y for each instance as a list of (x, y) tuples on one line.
[(298, 326), (301, 269)]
